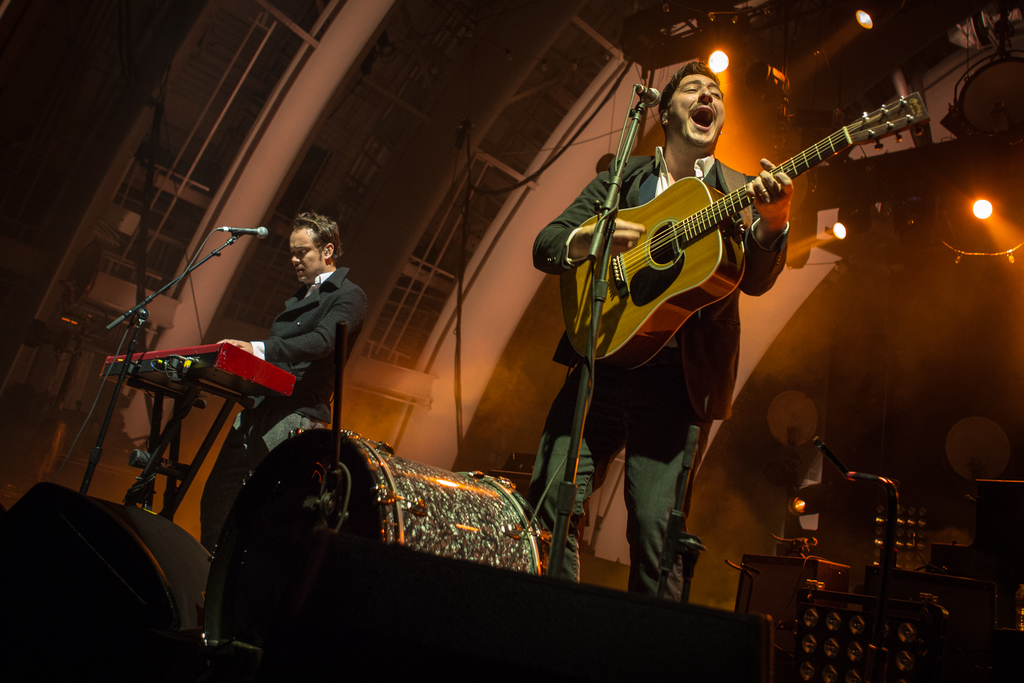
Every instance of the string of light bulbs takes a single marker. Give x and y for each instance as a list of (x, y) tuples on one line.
[(961, 253)]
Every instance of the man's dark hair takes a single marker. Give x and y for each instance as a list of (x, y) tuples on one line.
[(323, 230), (695, 67)]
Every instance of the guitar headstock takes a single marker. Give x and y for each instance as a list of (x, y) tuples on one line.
[(904, 112)]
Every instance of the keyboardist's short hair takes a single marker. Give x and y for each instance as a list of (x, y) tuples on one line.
[(323, 230)]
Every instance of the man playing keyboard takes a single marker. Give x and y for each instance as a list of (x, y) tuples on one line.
[(301, 341)]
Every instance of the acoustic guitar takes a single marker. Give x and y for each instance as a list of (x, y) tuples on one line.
[(690, 255)]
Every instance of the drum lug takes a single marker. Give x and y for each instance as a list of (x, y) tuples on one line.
[(507, 483), (513, 531), (384, 496), (418, 508)]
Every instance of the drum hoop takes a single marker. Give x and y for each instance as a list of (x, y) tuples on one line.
[(392, 493), (528, 530)]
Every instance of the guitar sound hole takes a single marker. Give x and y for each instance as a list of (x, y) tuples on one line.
[(665, 248), (651, 282)]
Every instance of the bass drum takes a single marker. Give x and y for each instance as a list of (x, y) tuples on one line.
[(269, 530)]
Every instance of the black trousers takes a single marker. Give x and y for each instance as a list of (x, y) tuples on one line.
[(648, 411), (254, 434)]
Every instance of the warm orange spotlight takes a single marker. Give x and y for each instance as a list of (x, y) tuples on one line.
[(718, 61), (839, 231), (983, 208), (864, 19)]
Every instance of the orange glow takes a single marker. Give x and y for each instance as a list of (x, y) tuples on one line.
[(983, 209), (466, 528), (839, 230), (445, 482), (864, 19), (718, 61)]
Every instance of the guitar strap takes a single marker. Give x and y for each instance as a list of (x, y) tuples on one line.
[(732, 181)]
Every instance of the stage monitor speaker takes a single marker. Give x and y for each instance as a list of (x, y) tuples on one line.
[(362, 606), (90, 588)]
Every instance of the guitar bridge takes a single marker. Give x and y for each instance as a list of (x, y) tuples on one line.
[(619, 277)]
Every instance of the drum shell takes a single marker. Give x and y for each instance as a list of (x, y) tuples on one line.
[(461, 516), (393, 500)]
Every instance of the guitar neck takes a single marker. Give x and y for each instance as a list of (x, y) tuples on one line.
[(909, 110), (733, 203)]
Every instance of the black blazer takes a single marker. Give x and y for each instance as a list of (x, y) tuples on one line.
[(710, 338), (302, 341)]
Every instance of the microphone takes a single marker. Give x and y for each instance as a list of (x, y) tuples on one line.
[(260, 232), (649, 96)]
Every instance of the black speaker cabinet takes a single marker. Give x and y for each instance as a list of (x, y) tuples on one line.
[(94, 590), (362, 606), (971, 605)]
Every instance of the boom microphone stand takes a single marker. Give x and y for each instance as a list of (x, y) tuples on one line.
[(876, 659), (599, 257), (137, 315)]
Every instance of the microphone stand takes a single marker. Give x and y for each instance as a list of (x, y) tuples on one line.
[(138, 314), (677, 541), (876, 659), (599, 258)]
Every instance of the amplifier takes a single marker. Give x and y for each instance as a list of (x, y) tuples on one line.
[(774, 590)]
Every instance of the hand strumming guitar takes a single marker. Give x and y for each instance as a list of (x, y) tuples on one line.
[(626, 236)]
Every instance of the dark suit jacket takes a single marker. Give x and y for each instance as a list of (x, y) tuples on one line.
[(710, 338), (302, 341)]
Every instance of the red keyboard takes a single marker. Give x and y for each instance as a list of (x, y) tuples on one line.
[(220, 366)]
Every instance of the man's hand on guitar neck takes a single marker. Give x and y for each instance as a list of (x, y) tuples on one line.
[(772, 191), (626, 236)]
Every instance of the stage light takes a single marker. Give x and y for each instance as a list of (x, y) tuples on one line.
[(871, 13), (983, 208), (766, 80), (718, 61), (808, 500), (838, 231), (989, 97), (856, 218), (833, 640)]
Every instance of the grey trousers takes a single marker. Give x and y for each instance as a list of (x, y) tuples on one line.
[(255, 433), (646, 410)]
